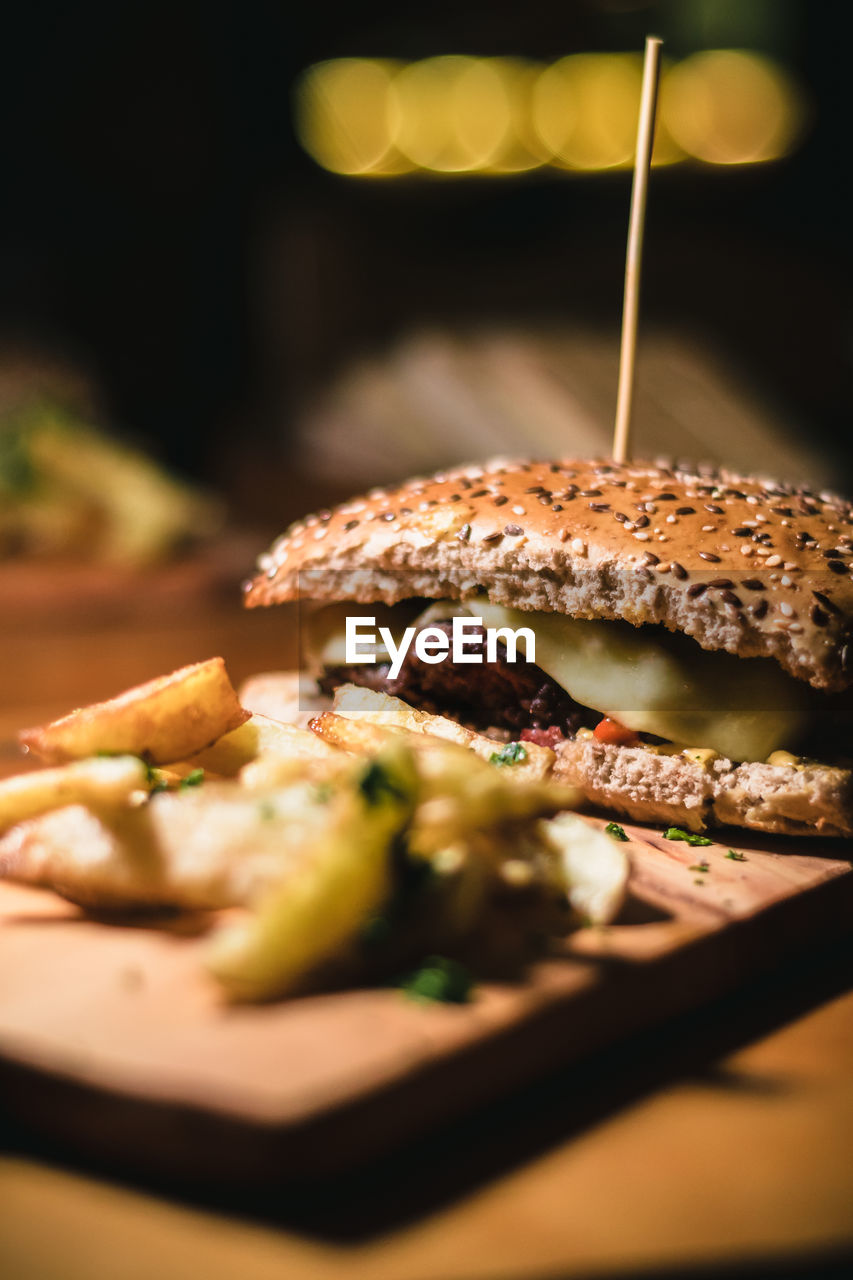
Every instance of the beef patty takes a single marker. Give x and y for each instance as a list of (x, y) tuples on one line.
[(516, 696)]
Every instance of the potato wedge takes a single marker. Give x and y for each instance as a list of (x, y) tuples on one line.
[(259, 737), (380, 708), (595, 865), (165, 720), (316, 915), (460, 792), (100, 782)]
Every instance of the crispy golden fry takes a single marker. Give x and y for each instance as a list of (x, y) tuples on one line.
[(259, 738), (460, 791), (595, 865), (291, 697), (316, 914), (380, 708), (97, 782), (167, 719), (213, 845)]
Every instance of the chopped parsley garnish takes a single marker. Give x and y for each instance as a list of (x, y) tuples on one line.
[(438, 979), (267, 810), (193, 779), (676, 833), (377, 785), (613, 829), (512, 753), (700, 866), (736, 857)]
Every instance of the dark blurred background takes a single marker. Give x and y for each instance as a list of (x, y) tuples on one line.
[(163, 229)]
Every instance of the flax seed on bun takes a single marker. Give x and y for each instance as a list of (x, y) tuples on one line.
[(745, 565)]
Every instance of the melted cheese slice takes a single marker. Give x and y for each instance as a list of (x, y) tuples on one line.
[(665, 684)]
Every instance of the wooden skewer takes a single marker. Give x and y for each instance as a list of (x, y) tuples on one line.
[(633, 259)]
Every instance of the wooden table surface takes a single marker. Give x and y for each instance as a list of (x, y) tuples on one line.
[(720, 1140)]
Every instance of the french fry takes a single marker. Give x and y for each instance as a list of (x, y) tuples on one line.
[(97, 782), (595, 865), (460, 791), (260, 737), (357, 703), (210, 846), (316, 915), (167, 719)]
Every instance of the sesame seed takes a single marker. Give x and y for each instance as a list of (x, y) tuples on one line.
[(557, 506), (642, 537), (464, 533), (579, 546), (492, 537), (620, 516), (564, 535), (678, 570), (713, 508), (672, 520), (818, 616), (697, 589), (786, 581), (721, 582), (641, 522), (837, 566), (684, 511), (599, 506), (589, 493), (513, 530), (649, 558), (731, 598), (753, 584), (501, 500), (708, 528), (709, 556), (519, 511), (760, 609), (786, 609), (795, 627), (772, 561)]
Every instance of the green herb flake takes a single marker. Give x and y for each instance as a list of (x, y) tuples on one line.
[(193, 779), (737, 857), (700, 866), (267, 810), (377, 785), (512, 753), (440, 980), (676, 833), (700, 882), (613, 829), (376, 931)]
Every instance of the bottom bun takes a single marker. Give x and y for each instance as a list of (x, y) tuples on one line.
[(672, 790), (803, 799)]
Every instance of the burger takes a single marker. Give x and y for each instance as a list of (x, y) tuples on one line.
[(681, 638)]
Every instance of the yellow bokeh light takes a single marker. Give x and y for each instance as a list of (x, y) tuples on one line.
[(342, 116), (731, 107), (370, 117), (585, 110), (450, 114), (522, 149)]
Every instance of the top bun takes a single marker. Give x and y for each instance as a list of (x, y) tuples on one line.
[(746, 565)]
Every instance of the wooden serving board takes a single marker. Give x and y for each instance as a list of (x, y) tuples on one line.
[(113, 1036)]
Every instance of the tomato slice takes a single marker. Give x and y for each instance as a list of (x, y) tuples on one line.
[(616, 734)]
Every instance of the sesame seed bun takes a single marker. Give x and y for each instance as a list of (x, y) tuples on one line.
[(740, 564)]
